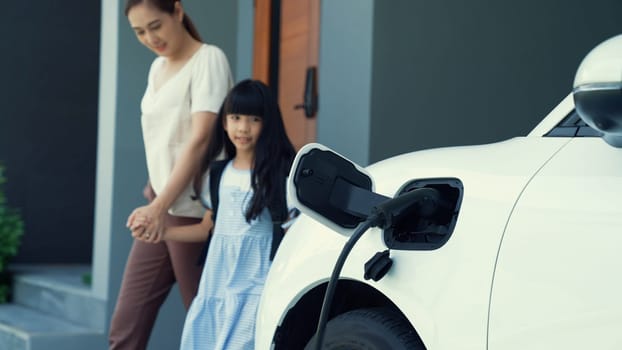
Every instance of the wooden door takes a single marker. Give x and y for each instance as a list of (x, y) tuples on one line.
[(298, 41)]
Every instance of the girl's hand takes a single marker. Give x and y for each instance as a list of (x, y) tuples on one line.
[(138, 227)]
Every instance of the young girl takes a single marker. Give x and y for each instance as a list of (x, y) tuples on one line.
[(250, 133)]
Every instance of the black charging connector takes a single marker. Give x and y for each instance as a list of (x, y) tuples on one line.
[(425, 201)]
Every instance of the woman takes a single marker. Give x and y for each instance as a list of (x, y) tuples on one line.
[(186, 85)]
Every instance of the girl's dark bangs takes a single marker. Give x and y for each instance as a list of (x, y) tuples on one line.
[(245, 101)]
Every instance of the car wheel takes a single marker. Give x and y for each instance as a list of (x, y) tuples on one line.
[(369, 329)]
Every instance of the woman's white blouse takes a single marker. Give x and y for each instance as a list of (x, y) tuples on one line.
[(200, 85)]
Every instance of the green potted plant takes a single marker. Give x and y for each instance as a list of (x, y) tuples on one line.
[(11, 230)]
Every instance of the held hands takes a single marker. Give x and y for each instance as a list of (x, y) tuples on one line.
[(147, 223), (138, 228)]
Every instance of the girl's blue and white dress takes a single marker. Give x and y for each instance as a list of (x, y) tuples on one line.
[(222, 315)]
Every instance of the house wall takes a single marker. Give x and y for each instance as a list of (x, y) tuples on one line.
[(455, 73), (48, 124), (345, 77)]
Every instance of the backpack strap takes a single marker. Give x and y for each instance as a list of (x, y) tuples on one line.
[(278, 213), (277, 236), (215, 173)]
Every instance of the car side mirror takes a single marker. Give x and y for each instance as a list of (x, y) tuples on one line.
[(598, 90), (331, 189)]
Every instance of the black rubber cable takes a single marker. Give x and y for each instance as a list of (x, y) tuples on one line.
[(332, 283)]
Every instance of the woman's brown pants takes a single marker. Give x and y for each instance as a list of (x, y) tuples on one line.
[(150, 272)]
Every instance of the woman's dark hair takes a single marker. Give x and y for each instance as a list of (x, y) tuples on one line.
[(274, 152), (167, 6)]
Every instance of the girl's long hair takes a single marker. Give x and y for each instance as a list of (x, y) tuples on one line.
[(167, 6), (274, 152)]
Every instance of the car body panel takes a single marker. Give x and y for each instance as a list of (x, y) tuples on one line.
[(435, 289), (557, 282)]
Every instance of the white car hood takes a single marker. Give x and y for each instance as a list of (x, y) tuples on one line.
[(517, 159)]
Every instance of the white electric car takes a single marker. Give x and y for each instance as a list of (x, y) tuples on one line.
[(521, 249)]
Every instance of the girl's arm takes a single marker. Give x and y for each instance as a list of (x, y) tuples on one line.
[(186, 233), (183, 171), (191, 233)]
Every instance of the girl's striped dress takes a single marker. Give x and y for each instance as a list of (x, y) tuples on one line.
[(222, 315)]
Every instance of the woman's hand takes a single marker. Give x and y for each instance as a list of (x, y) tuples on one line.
[(147, 223)]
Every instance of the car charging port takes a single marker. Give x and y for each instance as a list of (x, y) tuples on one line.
[(414, 231)]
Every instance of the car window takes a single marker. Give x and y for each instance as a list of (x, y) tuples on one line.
[(573, 126)]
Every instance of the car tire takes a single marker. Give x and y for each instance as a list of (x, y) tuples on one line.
[(369, 329)]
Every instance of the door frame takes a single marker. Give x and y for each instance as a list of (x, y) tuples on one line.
[(266, 33)]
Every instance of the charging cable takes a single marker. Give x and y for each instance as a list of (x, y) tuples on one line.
[(332, 283)]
